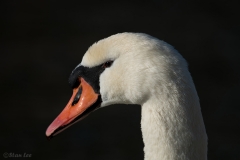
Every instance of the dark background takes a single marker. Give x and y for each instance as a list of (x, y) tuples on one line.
[(42, 41)]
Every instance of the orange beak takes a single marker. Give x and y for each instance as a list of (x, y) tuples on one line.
[(82, 102)]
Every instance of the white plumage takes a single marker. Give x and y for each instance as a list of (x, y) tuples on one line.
[(134, 68), (151, 73)]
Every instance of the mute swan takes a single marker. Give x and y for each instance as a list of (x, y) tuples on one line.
[(135, 68)]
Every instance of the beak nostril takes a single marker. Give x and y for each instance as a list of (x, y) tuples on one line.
[(77, 97)]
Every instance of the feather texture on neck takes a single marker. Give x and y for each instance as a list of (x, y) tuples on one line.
[(172, 125)]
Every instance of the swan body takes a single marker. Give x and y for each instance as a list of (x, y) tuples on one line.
[(135, 68)]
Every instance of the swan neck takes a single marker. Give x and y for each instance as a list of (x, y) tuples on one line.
[(173, 129)]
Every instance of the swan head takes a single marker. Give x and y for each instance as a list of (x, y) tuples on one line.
[(126, 68)]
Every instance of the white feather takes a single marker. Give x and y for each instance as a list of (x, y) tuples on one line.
[(151, 73)]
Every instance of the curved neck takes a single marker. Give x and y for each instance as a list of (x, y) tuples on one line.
[(173, 128)]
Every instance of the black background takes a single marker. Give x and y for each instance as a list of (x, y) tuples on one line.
[(42, 41)]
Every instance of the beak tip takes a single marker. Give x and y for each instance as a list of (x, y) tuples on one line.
[(53, 126), (48, 132)]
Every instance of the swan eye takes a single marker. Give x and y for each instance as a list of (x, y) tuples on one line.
[(107, 64)]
